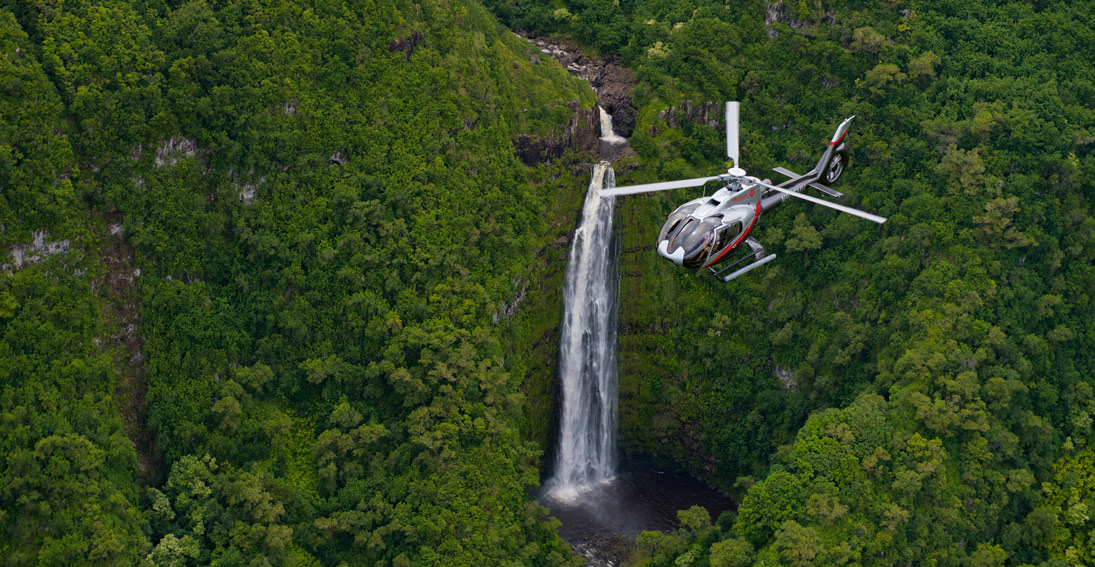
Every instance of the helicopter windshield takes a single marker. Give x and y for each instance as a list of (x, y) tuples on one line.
[(695, 236), (700, 239)]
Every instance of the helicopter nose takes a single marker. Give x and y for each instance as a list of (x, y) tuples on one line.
[(677, 256)]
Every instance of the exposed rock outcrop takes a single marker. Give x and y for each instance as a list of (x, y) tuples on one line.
[(777, 12), (786, 377), (612, 81), (407, 44), (707, 113), (580, 134), (613, 84), (171, 151), (37, 251)]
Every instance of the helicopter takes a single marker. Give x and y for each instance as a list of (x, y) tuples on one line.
[(708, 230)]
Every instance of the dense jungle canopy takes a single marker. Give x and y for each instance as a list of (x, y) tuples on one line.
[(277, 290)]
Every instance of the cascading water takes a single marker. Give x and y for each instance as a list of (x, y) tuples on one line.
[(602, 524), (600, 509), (587, 350), (611, 145), (607, 133)]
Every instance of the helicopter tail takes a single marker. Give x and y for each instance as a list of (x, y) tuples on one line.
[(835, 158)]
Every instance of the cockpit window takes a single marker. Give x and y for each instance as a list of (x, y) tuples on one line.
[(730, 234), (701, 240), (675, 220)]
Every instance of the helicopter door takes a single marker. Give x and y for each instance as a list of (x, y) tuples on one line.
[(724, 236), (728, 235)]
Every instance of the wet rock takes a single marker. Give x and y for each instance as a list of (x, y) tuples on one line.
[(611, 81), (613, 84), (407, 44), (584, 127), (604, 550)]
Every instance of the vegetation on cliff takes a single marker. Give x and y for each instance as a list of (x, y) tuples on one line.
[(345, 280), (332, 236)]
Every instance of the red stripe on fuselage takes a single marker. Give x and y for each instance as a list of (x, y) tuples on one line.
[(839, 139), (739, 240)]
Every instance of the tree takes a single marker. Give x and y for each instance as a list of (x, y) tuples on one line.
[(804, 237), (797, 545), (867, 40), (731, 552), (922, 67)]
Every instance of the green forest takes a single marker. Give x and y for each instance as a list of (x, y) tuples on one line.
[(276, 288)]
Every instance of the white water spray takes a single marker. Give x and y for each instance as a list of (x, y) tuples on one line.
[(607, 133), (587, 350)]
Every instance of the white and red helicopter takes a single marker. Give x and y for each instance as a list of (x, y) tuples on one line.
[(706, 231)]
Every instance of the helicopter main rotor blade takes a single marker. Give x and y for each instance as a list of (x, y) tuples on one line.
[(841, 208), (649, 187), (732, 131)]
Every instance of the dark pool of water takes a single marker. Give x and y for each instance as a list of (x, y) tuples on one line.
[(602, 524)]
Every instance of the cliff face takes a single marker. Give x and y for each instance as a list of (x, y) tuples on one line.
[(381, 276), (613, 84), (579, 134), (707, 113)]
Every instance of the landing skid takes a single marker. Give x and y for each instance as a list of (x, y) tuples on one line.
[(757, 254)]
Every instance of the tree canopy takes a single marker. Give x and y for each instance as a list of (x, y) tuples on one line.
[(305, 225)]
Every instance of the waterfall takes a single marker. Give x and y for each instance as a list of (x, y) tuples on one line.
[(611, 145), (607, 133), (587, 349)]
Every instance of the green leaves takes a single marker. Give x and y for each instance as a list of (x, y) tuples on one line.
[(731, 552), (997, 220), (804, 236)]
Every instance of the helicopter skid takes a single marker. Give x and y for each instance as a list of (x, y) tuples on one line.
[(756, 264), (757, 254)]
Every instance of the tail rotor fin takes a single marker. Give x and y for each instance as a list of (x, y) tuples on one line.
[(841, 131), (833, 161)]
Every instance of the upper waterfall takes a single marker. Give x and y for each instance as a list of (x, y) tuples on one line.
[(607, 133), (611, 145)]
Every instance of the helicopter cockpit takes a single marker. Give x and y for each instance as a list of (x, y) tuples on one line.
[(698, 239)]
